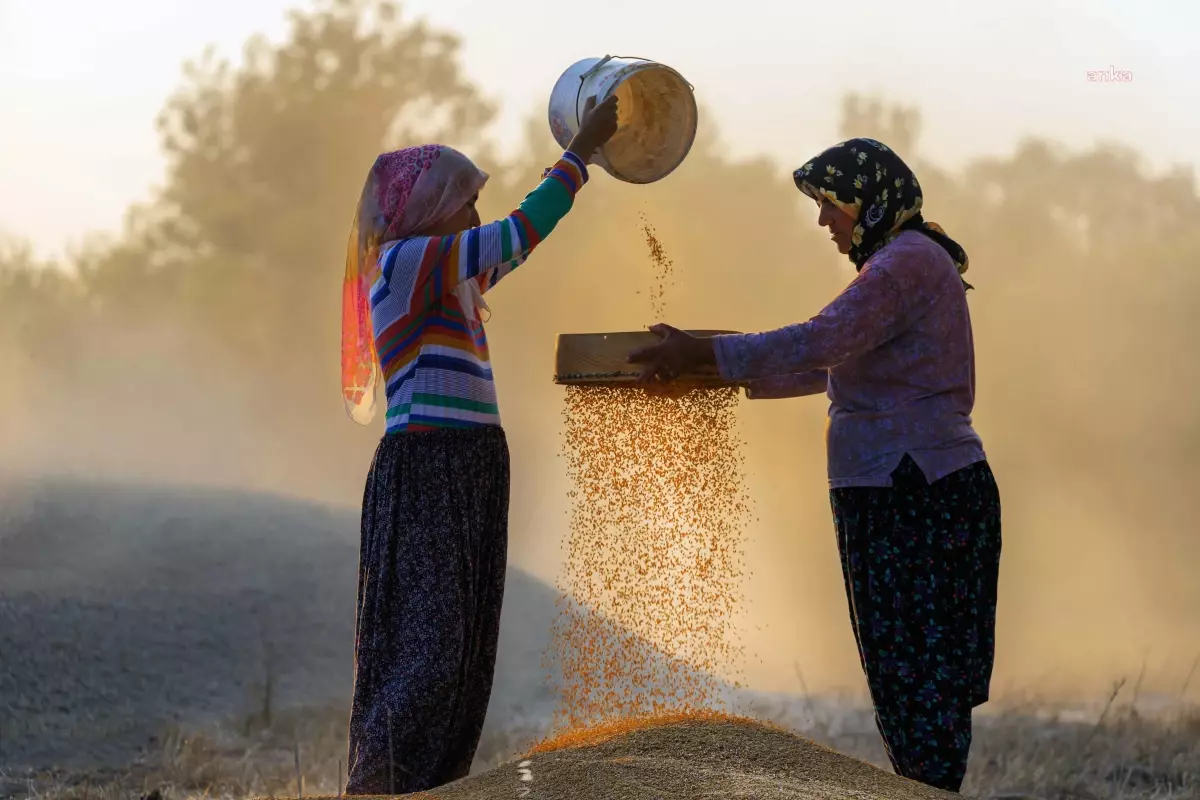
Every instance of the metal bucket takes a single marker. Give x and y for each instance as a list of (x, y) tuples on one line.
[(656, 118)]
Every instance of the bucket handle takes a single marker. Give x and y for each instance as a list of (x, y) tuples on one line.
[(594, 69), (608, 58), (584, 77)]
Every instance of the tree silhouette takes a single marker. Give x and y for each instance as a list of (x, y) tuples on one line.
[(233, 272), (265, 163), (225, 291), (899, 127)]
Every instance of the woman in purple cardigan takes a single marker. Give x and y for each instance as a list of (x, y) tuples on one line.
[(916, 506)]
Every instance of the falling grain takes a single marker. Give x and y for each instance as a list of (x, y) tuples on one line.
[(664, 269), (647, 622), (648, 618)]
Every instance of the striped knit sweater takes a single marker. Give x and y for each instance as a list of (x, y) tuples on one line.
[(435, 362)]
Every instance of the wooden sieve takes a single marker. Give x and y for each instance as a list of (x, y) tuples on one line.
[(599, 359)]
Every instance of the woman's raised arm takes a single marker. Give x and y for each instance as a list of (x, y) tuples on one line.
[(420, 270)]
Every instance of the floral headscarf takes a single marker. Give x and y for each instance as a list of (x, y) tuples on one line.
[(405, 192), (868, 181)]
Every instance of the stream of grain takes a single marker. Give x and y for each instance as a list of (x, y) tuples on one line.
[(651, 591)]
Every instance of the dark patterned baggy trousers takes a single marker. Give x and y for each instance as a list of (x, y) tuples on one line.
[(430, 586), (921, 564)]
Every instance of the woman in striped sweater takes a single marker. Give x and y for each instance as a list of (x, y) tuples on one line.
[(435, 510)]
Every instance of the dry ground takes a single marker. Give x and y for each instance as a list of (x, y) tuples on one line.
[(196, 643), (1016, 754)]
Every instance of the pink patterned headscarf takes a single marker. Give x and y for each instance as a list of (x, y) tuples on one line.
[(405, 192)]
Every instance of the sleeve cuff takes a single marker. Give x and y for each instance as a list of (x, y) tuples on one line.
[(725, 348), (578, 162)]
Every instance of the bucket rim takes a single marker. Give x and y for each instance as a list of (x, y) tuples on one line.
[(586, 68), (643, 60), (694, 109), (598, 61)]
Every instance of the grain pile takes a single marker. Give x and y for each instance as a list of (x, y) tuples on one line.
[(648, 621), (600, 734)]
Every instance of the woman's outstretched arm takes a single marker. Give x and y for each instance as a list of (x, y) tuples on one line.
[(868, 313)]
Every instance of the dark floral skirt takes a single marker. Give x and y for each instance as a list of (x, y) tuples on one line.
[(430, 587), (921, 563)]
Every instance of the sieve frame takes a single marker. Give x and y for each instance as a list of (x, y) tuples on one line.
[(598, 359)]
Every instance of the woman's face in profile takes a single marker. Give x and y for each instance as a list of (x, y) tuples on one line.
[(840, 226), (464, 219)]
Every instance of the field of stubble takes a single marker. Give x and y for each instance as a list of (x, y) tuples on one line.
[(197, 644)]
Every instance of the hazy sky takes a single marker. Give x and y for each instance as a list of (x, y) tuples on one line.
[(82, 81)]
